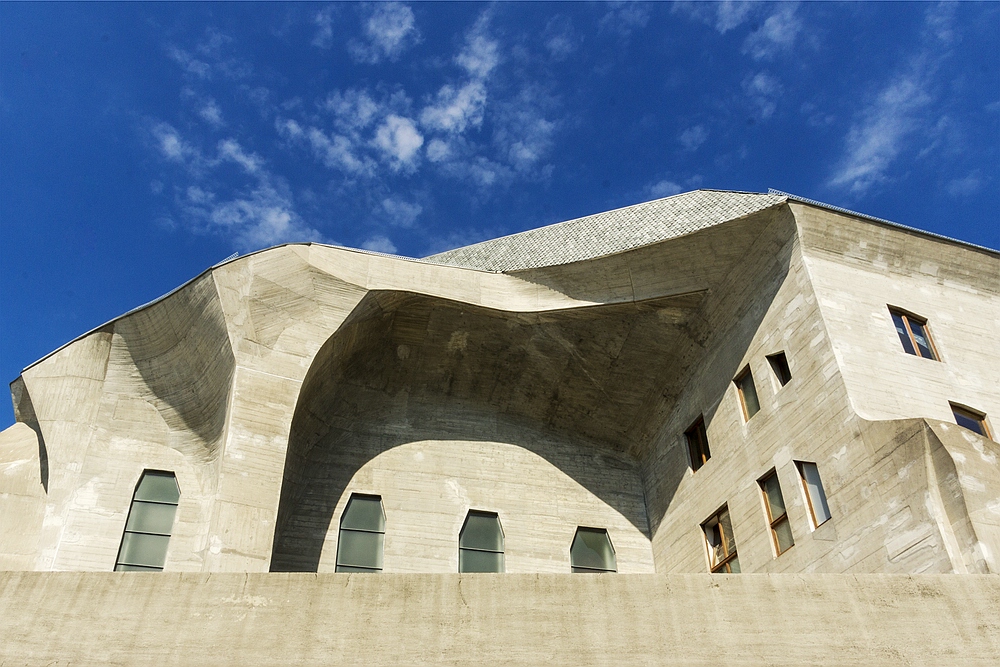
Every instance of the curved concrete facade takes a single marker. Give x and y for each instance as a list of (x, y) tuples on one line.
[(555, 394)]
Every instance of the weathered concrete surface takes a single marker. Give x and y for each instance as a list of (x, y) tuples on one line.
[(331, 619)]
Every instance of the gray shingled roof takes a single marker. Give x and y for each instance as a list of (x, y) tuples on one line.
[(610, 232)]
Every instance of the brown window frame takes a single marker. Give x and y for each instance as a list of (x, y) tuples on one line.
[(738, 381), (774, 522), (697, 439), (907, 317), (725, 563), (800, 467), (972, 415)]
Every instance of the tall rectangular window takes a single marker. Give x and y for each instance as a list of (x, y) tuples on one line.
[(480, 543), (777, 517), (748, 393), (819, 511), (721, 543), (913, 334), (970, 419), (779, 364), (362, 535), (697, 442), (149, 524)]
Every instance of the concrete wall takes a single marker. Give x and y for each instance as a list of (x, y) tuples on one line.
[(335, 619)]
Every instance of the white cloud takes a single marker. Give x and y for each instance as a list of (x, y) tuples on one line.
[(763, 91), (324, 28), (626, 17), (401, 213), (399, 140), (211, 113), (523, 132), (230, 149), (390, 29), (560, 38), (778, 33), (962, 187), (693, 137), (723, 16), (190, 64), (379, 243), (171, 145), (664, 188), (876, 139), (438, 150), (456, 109), (481, 54), (353, 109)]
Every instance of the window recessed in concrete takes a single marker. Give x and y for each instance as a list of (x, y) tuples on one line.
[(149, 524)]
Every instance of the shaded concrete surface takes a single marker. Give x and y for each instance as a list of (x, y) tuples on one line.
[(331, 619)]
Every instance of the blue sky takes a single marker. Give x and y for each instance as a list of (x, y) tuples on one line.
[(142, 143)]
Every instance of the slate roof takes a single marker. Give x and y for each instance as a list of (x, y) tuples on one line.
[(609, 232)]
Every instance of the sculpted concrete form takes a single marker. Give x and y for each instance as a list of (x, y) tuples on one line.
[(548, 377)]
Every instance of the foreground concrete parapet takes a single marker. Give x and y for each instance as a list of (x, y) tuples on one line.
[(336, 619)]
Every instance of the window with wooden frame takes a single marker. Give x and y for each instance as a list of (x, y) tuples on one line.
[(150, 523), (592, 551), (777, 517), (913, 334), (362, 535), (480, 543), (721, 545), (971, 419), (697, 442), (812, 486), (779, 364), (748, 393)]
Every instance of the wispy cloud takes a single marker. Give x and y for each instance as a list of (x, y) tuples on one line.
[(400, 213), (560, 38), (324, 28), (723, 16), (379, 243), (778, 33), (902, 111), (389, 28), (763, 91), (455, 109), (625, 18), (399, 140), (693, 137), (189, 63), (664, 188), (965, 186)]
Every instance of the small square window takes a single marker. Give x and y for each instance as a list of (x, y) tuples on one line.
[(777, 517), (970, 419), (779, 364), (812, 485), (913, 334), (748, 393), (721, 545), (697, 441)]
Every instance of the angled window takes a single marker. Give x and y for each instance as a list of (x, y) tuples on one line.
[(149, 524), (777, 517), (592, 551), (697, 442), (970, 419), (362, 535), (748, 393), (812, 485), (913, 334), (720, 542), (480, 544), (779, 364)]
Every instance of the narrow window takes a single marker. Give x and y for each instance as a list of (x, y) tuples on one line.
[(592, 551), (777, 517), (362, 535), (748, 393), (149, 524), (697, 440), (779, 364), (721, 544), (815, 496), (480, 544), (913, 334), (970, 419)]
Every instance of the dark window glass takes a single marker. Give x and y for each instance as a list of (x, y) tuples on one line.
[(779, 364), (722, 554), (971, 420), (480, 544), (362, 535), (777, 517), (697, 441), (748, 393), (591, 551), (149, 524), (913, 334)]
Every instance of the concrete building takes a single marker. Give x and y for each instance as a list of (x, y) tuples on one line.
[(712, 382)]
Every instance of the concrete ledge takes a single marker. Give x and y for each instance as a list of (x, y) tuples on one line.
[(336, 619)]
